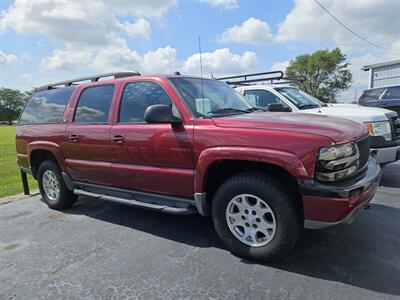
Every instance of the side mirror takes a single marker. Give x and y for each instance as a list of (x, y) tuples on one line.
[(278, 107), (161, 113)]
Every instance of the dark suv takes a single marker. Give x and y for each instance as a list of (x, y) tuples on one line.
[(184, 145), (385, 97)]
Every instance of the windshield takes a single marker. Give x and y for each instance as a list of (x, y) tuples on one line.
[(301, 99), (210, 98)]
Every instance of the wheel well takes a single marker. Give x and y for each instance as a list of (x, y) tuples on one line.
[(39, 156), (220, 171)]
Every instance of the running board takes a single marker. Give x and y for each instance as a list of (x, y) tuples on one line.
[(135, 203)]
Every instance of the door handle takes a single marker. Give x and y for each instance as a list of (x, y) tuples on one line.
[(74, 137), (118, 139)]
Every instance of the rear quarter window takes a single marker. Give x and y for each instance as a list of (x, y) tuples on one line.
[(371, 95), (393, 93), (46, 106)]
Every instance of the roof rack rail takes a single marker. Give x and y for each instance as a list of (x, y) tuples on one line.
[(93, 78), (291, 79), (275, 77)]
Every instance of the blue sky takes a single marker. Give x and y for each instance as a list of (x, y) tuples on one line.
[(44, 41)]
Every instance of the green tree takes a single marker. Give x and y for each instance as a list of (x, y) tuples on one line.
[(12, 103), (326, 73)]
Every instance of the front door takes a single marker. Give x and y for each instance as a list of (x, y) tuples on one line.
[(156, 158), (87, 148)]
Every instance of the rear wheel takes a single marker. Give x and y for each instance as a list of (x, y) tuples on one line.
[(255, 217), (52, 187)]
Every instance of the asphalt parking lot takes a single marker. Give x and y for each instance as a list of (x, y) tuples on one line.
[(104, 250)]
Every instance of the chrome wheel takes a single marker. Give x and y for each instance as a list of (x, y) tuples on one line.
[(251, 220), (50, 185)]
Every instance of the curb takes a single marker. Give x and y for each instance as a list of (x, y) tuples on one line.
[(18, 197)]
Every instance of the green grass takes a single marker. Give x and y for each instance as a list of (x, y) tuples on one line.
[(10, 178)]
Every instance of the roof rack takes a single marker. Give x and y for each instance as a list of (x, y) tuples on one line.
[(275, 77), (93, 78)]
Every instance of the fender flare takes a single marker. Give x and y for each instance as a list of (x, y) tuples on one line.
[(285, 160), (53, 148)]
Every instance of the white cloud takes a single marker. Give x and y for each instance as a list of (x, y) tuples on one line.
[(7, 58), (140, 28), (308, 22), (220, 62), (162, 60), (148, 8), (85, 29), (27, 77), (66, 59), (225, 4), (70, 22), (116, 56), (252, 31), (360, 77), (82, 23), (280, 66)]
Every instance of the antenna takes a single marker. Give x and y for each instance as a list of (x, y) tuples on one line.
[(201, 76), (201, 64)]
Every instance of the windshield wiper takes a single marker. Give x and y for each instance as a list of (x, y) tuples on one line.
[(228, 110), (307, 106), (251, 109)]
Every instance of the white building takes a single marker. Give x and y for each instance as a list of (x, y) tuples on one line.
[(383, 74)]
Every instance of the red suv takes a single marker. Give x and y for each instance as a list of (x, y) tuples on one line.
[(183, 145)]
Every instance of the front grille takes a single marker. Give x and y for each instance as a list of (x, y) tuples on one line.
[(395, 122), (363, 148)]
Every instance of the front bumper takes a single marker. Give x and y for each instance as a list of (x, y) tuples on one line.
[(327, 204), (386, 155)]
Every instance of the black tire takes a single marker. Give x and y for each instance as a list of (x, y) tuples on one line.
[(65, 197), (283, 204)]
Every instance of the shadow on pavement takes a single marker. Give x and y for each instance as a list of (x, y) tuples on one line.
[(365, 254), (391, 176)]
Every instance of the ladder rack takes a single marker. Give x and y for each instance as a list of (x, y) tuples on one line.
[(275, 77)]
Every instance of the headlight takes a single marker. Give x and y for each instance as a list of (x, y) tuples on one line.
[(337, 162), (380, 129)]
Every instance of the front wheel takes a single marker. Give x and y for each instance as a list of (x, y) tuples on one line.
[(52, 187), (255, 218)]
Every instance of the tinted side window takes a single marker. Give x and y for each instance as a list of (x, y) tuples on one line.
[(261, 98), (393, 93), (94, 105), (370, 95), (137, 96), (46, 106)]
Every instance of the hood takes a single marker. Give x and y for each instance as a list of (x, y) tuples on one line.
[(338, 129), (354, 112)]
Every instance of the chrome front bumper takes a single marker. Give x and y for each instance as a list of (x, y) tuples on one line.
[(386, 155)]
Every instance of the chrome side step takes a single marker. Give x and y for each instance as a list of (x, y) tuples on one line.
[(132, 202)]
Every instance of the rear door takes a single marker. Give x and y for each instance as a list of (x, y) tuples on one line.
[(156, 158), (87, 148)]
